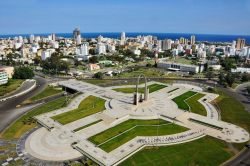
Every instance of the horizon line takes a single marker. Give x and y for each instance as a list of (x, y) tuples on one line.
[(188, 33)]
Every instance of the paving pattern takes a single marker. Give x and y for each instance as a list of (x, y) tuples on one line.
[(56, 142)]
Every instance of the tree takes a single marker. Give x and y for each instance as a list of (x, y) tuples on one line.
[(210, 73), (230, 79), (63, 66), (54, 64), (23, 73), (228, 64), (93, 59), (92, 51), (222, 80), (245, 77), (37, 60), (98, 75)]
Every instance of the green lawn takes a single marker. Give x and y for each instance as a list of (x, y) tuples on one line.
[(48, 91), (12, 85), (206, 151), (148, 72), (25, 123), (179, 100), (152, 88), (195, 105), (167, 129), (88, 106)]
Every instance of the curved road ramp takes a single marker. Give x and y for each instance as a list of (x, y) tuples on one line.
[(26, 87)]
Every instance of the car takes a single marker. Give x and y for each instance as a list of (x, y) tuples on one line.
[(247, 145)]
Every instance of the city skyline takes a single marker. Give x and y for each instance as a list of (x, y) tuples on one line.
[(181, 16)]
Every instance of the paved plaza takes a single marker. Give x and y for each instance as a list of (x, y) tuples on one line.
[(57, 142)]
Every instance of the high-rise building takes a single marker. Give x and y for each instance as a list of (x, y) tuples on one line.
[(248, 54), (53, 36), (32, 38), (123, 38), (76, 32), (192, 40), (240, 43), (101, 48), (77, 36), (84, 49), (182, 40), (100, 38), (78, 40), (233, 44), (166, 44)]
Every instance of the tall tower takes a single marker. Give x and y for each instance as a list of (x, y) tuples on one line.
[(123, 38), (53, 36), (240, 43), (166, 44), (77, 36), (192, 40)]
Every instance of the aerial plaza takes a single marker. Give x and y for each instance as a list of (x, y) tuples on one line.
[(109, 125)]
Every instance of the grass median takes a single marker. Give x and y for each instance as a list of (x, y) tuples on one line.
[(26, 122), (48, 91), (12, 85), (134, 128), (88, 106)]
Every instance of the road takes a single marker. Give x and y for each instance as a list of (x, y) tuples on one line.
[(8, 110), (244, 97), (243, 159)]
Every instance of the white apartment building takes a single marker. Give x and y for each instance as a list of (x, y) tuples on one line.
[(47, 54), (111, 48), (78, 40), (84, 50), (101, 48)]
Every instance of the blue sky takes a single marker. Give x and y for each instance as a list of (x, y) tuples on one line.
[(169, 16)]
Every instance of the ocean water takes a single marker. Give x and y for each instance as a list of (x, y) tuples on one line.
[(161, 36)]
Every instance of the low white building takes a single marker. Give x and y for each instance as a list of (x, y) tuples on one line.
[(137, 52), (240, 70), (180, 67), (3, 77), (47, 54)]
